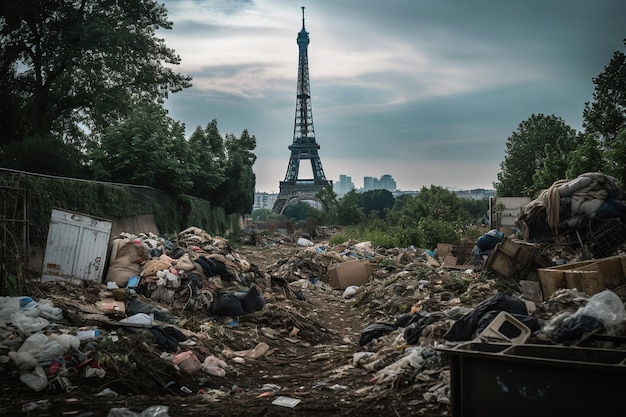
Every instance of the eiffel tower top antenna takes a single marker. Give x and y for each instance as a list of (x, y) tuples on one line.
[(302, 17)]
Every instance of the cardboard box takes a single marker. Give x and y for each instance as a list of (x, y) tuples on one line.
[(449, 260), (589, 282), (443, 249), (551, 280), (510, 259), (610, 269), (345, 274), (590, 276)]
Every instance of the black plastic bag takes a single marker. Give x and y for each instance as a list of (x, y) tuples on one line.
[(374, 331), (465, 327), (531, 322), (225, 304), (252, 300), (413, 330), (576, 327)]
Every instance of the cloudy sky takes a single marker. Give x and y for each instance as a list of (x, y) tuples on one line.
[(427, 91)]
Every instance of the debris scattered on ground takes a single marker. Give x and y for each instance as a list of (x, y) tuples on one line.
[(192, 325)]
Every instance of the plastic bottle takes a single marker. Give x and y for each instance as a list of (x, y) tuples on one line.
[(87, 334)]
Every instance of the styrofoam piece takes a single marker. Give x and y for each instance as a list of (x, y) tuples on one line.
[(505, 328)]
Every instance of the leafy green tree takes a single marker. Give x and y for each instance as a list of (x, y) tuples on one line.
[(148, 148), (207, 150), (298, 211), (261, 214), (588, 157), (236, 193), (606, 114), (474, 209), (377, 201), (617, 158), (526, 152), (349, 209), (438, 203), (556, 161), (80, 65), (400, 201), (327, 198), (48, 155)]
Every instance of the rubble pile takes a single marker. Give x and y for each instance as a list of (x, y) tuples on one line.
[(193, 325)]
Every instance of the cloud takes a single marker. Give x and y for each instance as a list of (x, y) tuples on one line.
[(422, 90)]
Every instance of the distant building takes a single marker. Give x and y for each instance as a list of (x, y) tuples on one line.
[(264, 201), (411, 193), (344, 185), (386, 182), (475, 194)]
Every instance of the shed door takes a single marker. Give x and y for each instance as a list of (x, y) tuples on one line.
[(76, 248)]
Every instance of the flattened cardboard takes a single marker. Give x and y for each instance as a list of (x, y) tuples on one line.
[(345, 274)]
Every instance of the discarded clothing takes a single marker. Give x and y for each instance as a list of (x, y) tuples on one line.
[(209, 266), (135, 306), (167, 337)]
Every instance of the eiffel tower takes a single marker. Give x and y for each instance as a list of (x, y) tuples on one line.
[(304, 146)]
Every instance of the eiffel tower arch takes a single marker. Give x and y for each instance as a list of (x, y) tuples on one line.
[(304, 146)]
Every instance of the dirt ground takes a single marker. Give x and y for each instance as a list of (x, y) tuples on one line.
[(312, 335)]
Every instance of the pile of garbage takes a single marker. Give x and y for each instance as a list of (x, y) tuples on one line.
[(192, 319), (592, 208)]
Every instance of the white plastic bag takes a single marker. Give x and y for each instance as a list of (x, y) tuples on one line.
[(607, 307), (36, 380), (304, 242), (48, 310), (153, 411), (28, 324)]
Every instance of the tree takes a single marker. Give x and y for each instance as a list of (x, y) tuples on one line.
[(606, 115), (148, 148), (438, 203), (207, 150), (236, 193), (526, 151), (298, 211), (588, 157), (48, 154), (327, 198), (80, 65), (377, 201), (617, 158), (555, 163), (349, 209)]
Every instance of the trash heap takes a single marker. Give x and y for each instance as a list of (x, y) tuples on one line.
[(189, 321)]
